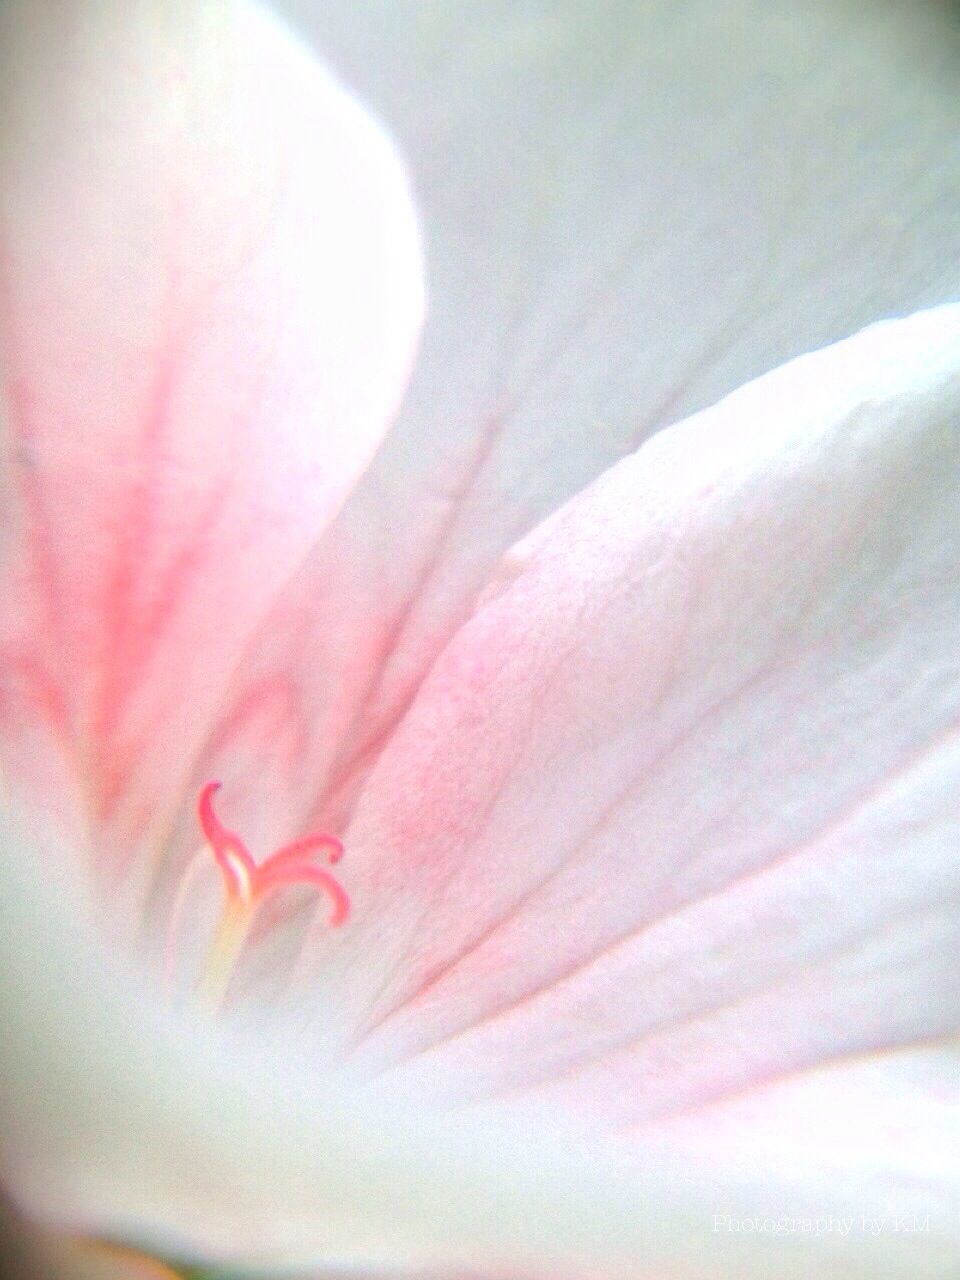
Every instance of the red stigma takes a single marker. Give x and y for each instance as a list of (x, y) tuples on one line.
[(291, 864)]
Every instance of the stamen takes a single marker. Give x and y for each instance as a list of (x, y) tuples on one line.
[(271, 877), (248, 884), (298, 850), (231, 934), (233, 856)]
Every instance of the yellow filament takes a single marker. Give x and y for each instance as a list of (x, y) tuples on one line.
[(225, 949)]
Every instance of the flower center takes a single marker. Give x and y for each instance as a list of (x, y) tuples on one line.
[(248, 883)]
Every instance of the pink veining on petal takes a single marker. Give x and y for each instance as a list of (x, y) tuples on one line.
[(197, 366)]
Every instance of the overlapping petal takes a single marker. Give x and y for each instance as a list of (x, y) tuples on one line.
[(681, 653), (631, 209), (667, 844), (675, 815), (211, 291)]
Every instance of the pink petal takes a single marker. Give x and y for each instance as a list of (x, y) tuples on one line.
[(630, 212), (676, 813), (211, 291)]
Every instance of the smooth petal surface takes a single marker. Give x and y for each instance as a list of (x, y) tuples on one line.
[(211, 290), (896, 1113), (630, 209), (675, 814), (122, 1122)]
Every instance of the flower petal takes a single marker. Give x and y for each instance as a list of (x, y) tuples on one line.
[(631, 210), (211, 291), (120, 1121), (896, 1113), (889, 1122), (676, 812)]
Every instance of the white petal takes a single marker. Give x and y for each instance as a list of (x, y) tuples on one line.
[(630, 210), (119, 1121), (675, 814)]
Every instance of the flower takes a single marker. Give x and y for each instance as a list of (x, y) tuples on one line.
[(647, 806)]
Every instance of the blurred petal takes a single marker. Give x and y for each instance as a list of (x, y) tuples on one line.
[(210, 295), (30, 1254), (676, 812), (83, 1260), (631, 209), (121, 1122)]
